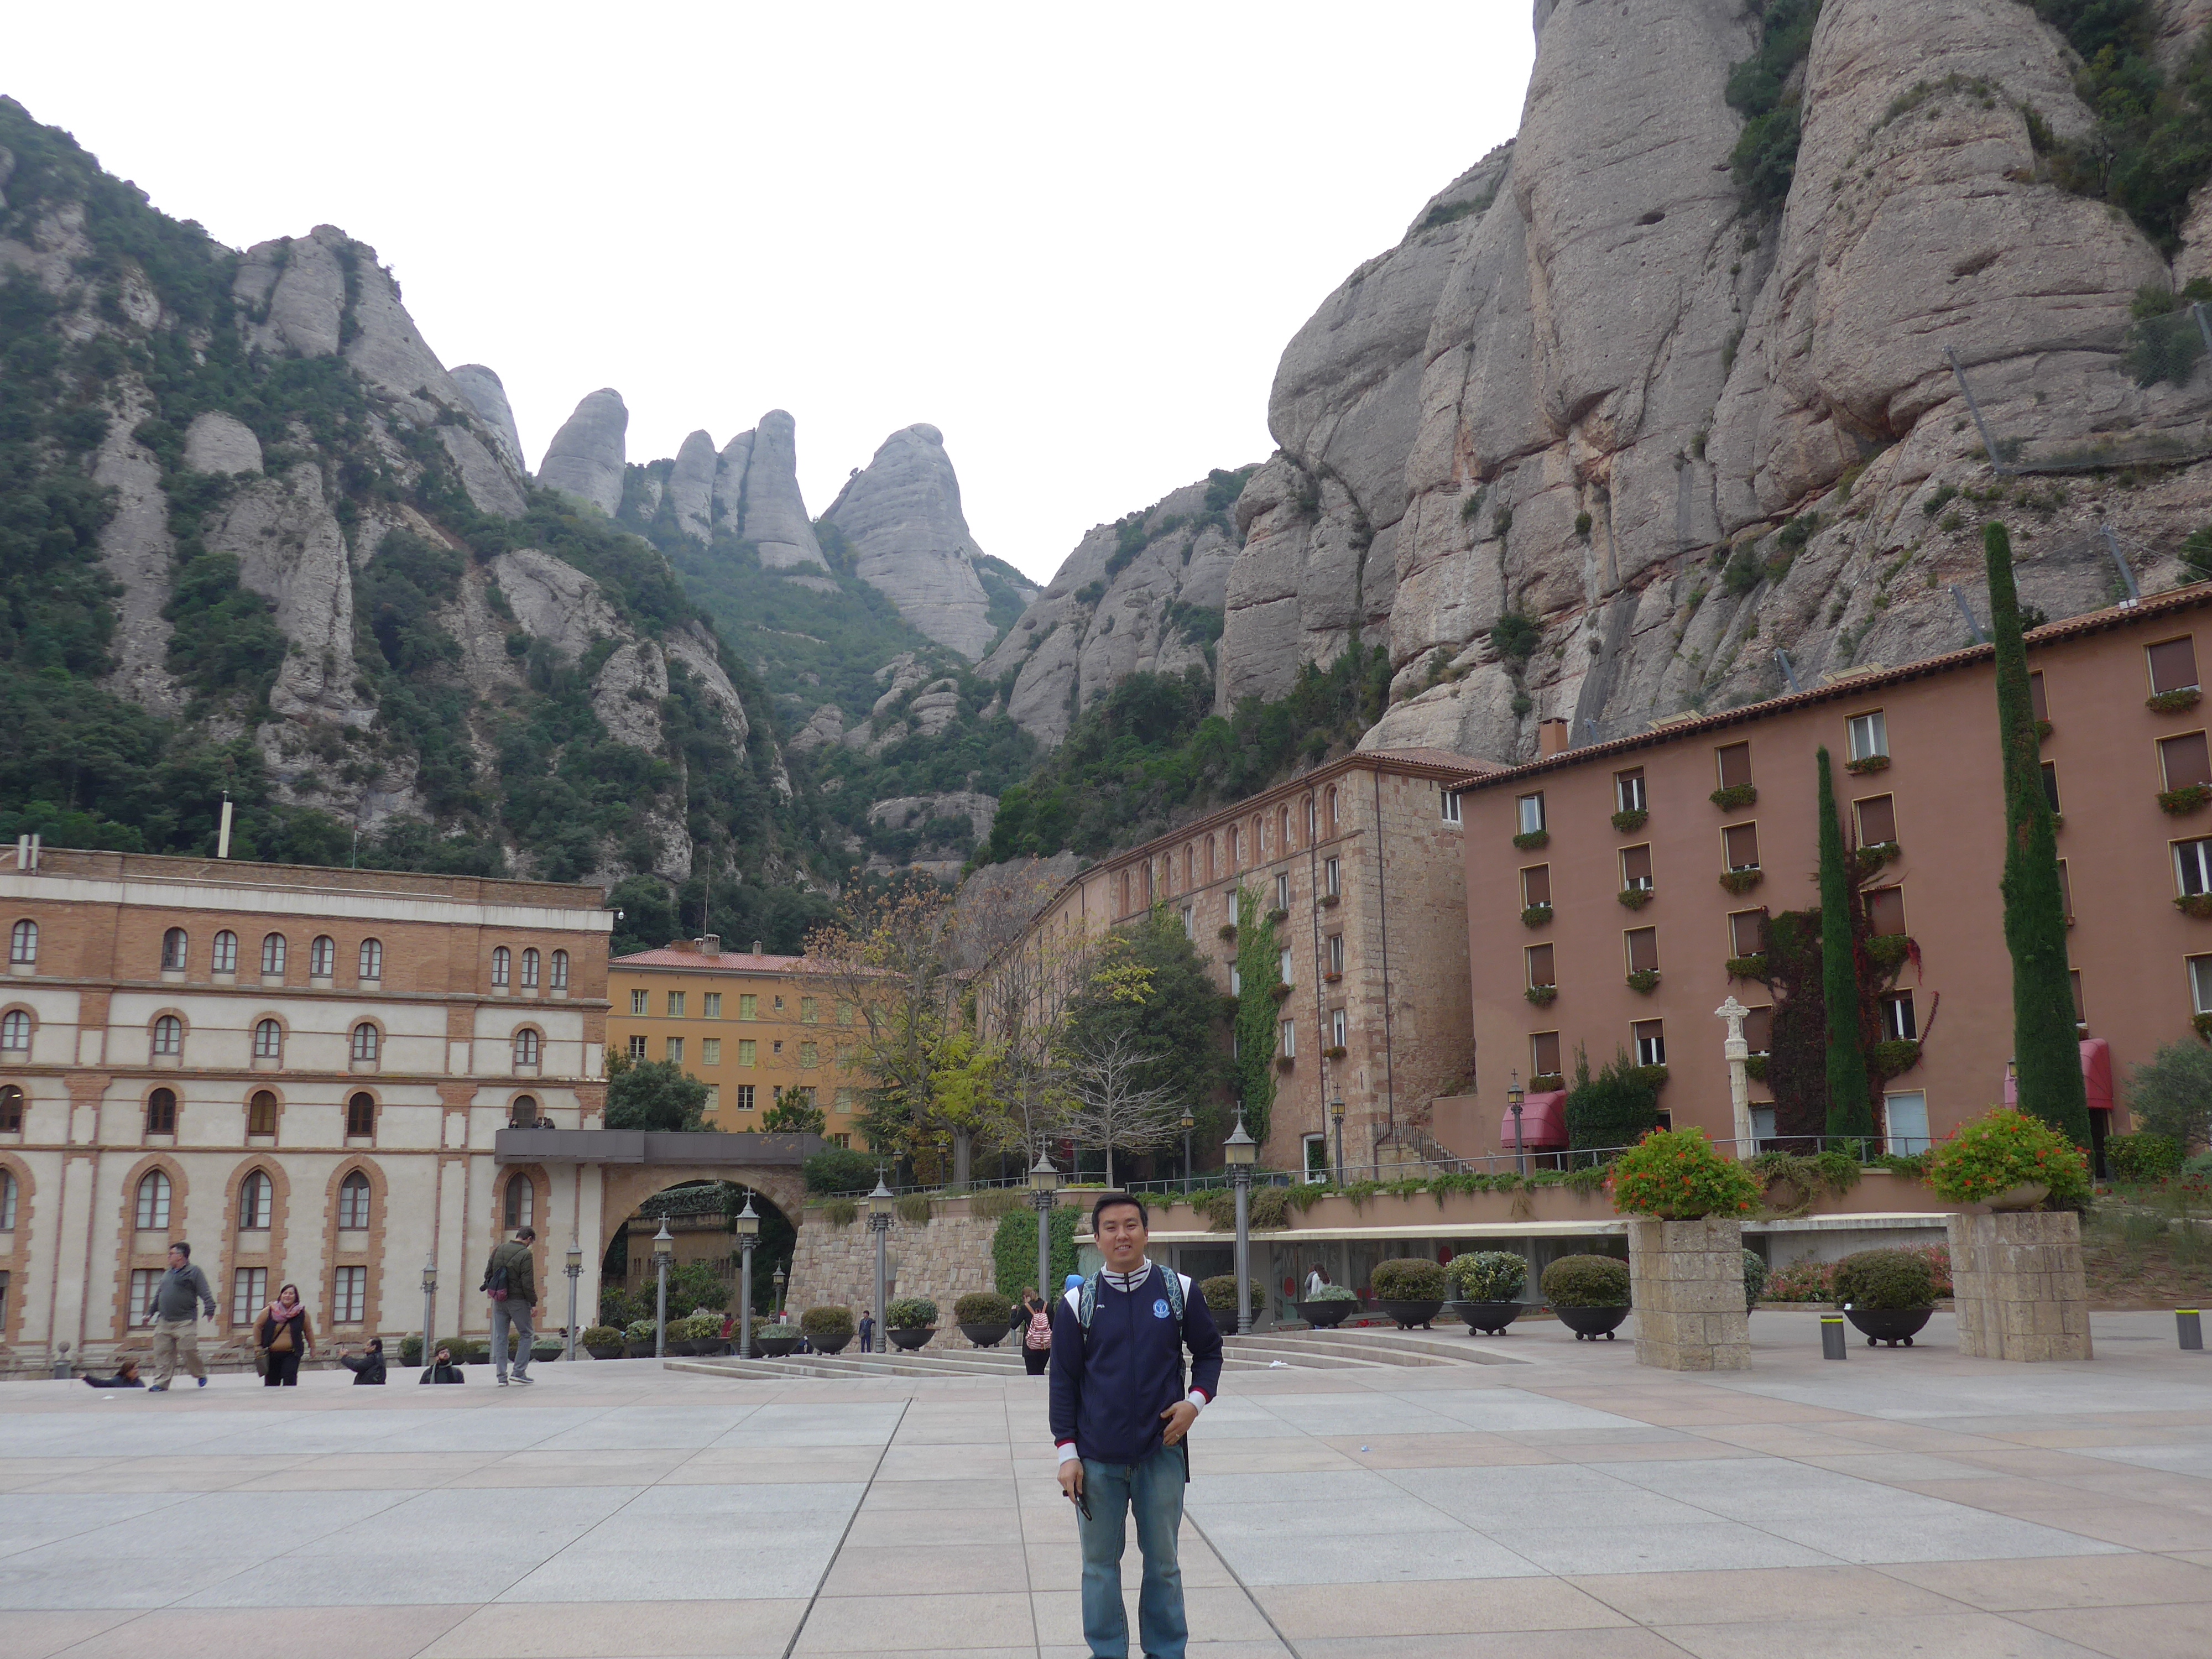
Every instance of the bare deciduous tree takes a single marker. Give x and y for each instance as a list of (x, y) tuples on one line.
[(1110, 1103)]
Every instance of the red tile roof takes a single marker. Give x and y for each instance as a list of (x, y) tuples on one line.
[(729, 962)]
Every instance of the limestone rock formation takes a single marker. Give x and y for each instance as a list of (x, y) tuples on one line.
[(216, 442), (822, 729), (555, 602), (691, 487), (901, 515), (585, 457), (291, 551), (487, 395), (137, 553), (756, 495)]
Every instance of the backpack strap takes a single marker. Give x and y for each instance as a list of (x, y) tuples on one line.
[(1174, 1295), (1087, 1305)]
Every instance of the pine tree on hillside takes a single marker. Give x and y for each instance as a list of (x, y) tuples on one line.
[(1850, 1110), (2047, 1050)]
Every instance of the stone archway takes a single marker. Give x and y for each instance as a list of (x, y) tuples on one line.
[(702, 1231)]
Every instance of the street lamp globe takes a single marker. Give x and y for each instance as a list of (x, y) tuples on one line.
[(575, 1258), (747, 1226), (881, 1201), (1043, 1178), (1240, 1151), (430, 1276), (664, 1244)]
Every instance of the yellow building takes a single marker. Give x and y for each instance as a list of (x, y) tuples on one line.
[(743, 1023)]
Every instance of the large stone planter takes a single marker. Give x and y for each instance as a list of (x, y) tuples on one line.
[(2018, 1287), (1686, 1281)]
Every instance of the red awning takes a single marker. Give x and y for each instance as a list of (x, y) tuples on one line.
[(1543, 1122), (2096, 1076)]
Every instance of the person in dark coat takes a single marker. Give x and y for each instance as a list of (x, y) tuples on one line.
[(1035, 1338), (368, 1367), (442, 1368), (285, 1337), (127, 1376)]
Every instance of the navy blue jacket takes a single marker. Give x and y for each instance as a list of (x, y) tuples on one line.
[(1110, 1384)]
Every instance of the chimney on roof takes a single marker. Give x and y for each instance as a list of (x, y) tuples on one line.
[(1553, 737), (756, 947), (710, 944)]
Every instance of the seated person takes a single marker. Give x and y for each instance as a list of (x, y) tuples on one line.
[(369, 1366), (442, 1369), (127, 1376)]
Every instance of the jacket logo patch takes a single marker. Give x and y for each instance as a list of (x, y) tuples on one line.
[(1160, 1309)]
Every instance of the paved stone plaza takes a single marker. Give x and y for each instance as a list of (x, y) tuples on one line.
[(1570, 1504)]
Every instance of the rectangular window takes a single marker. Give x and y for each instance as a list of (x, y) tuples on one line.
[(638, 1004), (710, 1051), (2192, 866), (747, 1007), (1759, 1030), (807, 1012), (1650, 1042), (675, 1050), (676, 1004), (2065, 893), (1628, 790), (844, 1141), (1316, 1157), (748, 1049), (1869, 735), (1539, 961), (1886, 911), (1740, 845), (1531, 814), (1339, 1027), (1898, 1024), (1282, 892), (744, 1096), (1536, 884), (637, 1047), (2081, 1008), (1636, 868), (1450, 799), (143, 1281), (1643, 949), (807, 1054), (1544, 1054), (1283, 966), (1289, 1038), (1190, 921), (1906, 1117), (350, 1304), (1228, 906), (1235, 979), (714, 1098), (844, 1013), (2036, 698), (1734, 761), (710, 1005), (2050, 785), (2173, 665), (2184, 760), (249, 1294), (848, 1100), (1332, 873), (1747, 932), (1336, 953), (1877, 819)]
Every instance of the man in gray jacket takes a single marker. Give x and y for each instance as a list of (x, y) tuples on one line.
[(178, 1296), (511, 1280)]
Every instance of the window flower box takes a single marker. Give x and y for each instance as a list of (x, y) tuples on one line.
[(1652, 1077), (1630, 822), (2195, 904), (1889, 951), (2042, 730), (1735, 795), (1284, 1062), (1751, 967), (1335, 1051), (2184, 800), (1636, 897), (1536, 916), (1871, 859), (1866, 763), (1742, 881), (2203, 1025), (1278, 914), (1330, 901), (2172, 702), (1534, 839), (1331, 977), (1280, 991), (1894, 1057), (1229, 930), (1543, 1083), (1542, 995), (1644, 980)]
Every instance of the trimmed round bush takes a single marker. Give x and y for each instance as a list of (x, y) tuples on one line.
[(1409, 1279), (1586, 1281), (1487, 1275), (2003, 1149), (831, 1320), (638, 1330), (982, 1308), (776, 1328), (1885, 1279), (1331, 1293), (911, 1312), (2144, 1156), (1220, 1294), (1755, 1278), (597, 1336)]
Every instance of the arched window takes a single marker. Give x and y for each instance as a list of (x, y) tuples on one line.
[(23, 945), (521, 1201), (360, 1116), (11, 1110), (1125, 892), (1233, 848), (15, 1033), (367, 1042), (168, 1037), (353, 1202), (161, 1112), (256, 1203), (272, 957), (525, 1047), (1332, 812), (560, 970), (1213, 857), (530, 971), (371, 959), (261, 1114), (268, 1040), (6, 1201), (502, 965), (1283, 828), (523, 1114), (175, 947), (322, 956), (1313, 822), (225, 960), (153, 1203)]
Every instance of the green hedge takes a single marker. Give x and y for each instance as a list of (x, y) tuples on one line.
[(911, 1312), (1587, 1281), (1755, 1278), (1408, 1278), (1885, 1279), (983, 1307), (830, 1320), (1220, 1294), (2144, 1156), (1014, 1251)]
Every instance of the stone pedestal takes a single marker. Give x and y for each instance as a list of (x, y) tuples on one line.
[(1686, 1280), (2017, 1280)]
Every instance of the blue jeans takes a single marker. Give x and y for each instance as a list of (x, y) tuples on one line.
[(503, 1313), (1153, 1489)]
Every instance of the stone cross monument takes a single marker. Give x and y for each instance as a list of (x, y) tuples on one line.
[(1738, 1051)]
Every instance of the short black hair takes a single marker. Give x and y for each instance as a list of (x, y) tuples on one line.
[(530, 1233), (186, 1249), (1110, 1200)]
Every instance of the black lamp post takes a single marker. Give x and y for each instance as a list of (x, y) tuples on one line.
[(1044, 1188), (881, 1202), (430, 1308), (1189, 1124), (1336, 1120), (1513, 1101)]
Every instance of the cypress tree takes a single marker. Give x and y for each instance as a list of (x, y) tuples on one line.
[(1850, 1111), (1259, 970), (2046, 1051)]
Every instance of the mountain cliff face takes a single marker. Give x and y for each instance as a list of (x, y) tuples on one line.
[(1682, 396), (900, 515)]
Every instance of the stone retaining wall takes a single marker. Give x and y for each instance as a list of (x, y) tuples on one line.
[(944, 1260)]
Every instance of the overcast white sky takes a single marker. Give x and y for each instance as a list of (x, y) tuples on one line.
[(1076, 238)]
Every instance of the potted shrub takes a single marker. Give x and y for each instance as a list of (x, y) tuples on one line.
[(637, 1339), (601, 1342), (910, 1322), (984, 1317), (1410, 1289), (1755, 1278), (1589, 1293), (1487, 1286), (827, 1329), (1675, 1175), (1887, 1294), (1329, 1309), (2009, 1161), (777, 1338), (1220, 1294)]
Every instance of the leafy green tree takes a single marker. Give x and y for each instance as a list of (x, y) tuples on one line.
[(653, 1094), (1614, 1108), (794, 1114), (1850, 1108), (2046, 1051), (2171, 1094), (1259, 970)]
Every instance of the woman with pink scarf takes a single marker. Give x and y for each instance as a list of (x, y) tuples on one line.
[(284, 1337)]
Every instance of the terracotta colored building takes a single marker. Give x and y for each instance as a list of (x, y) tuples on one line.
[(1717, 827), (745, 1024), (299, 1072), (1362, 858)]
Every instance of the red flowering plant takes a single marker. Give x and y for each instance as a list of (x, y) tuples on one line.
[(2005, 1148), (1675, 1175)]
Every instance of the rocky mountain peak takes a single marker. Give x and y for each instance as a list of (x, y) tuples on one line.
[(586, 455), (487, 395), (901, 513)]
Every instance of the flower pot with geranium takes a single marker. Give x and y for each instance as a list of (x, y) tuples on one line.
[(1676, 1174), (2009, 1161)]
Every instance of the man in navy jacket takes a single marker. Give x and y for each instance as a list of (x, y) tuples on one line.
[(1120, 1411)]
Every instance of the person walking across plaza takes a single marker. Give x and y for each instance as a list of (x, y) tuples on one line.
[(175, 1302), (1034, 1320), (1121, 1415), (511, 1280), (284, 1337), (867, 1332)]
